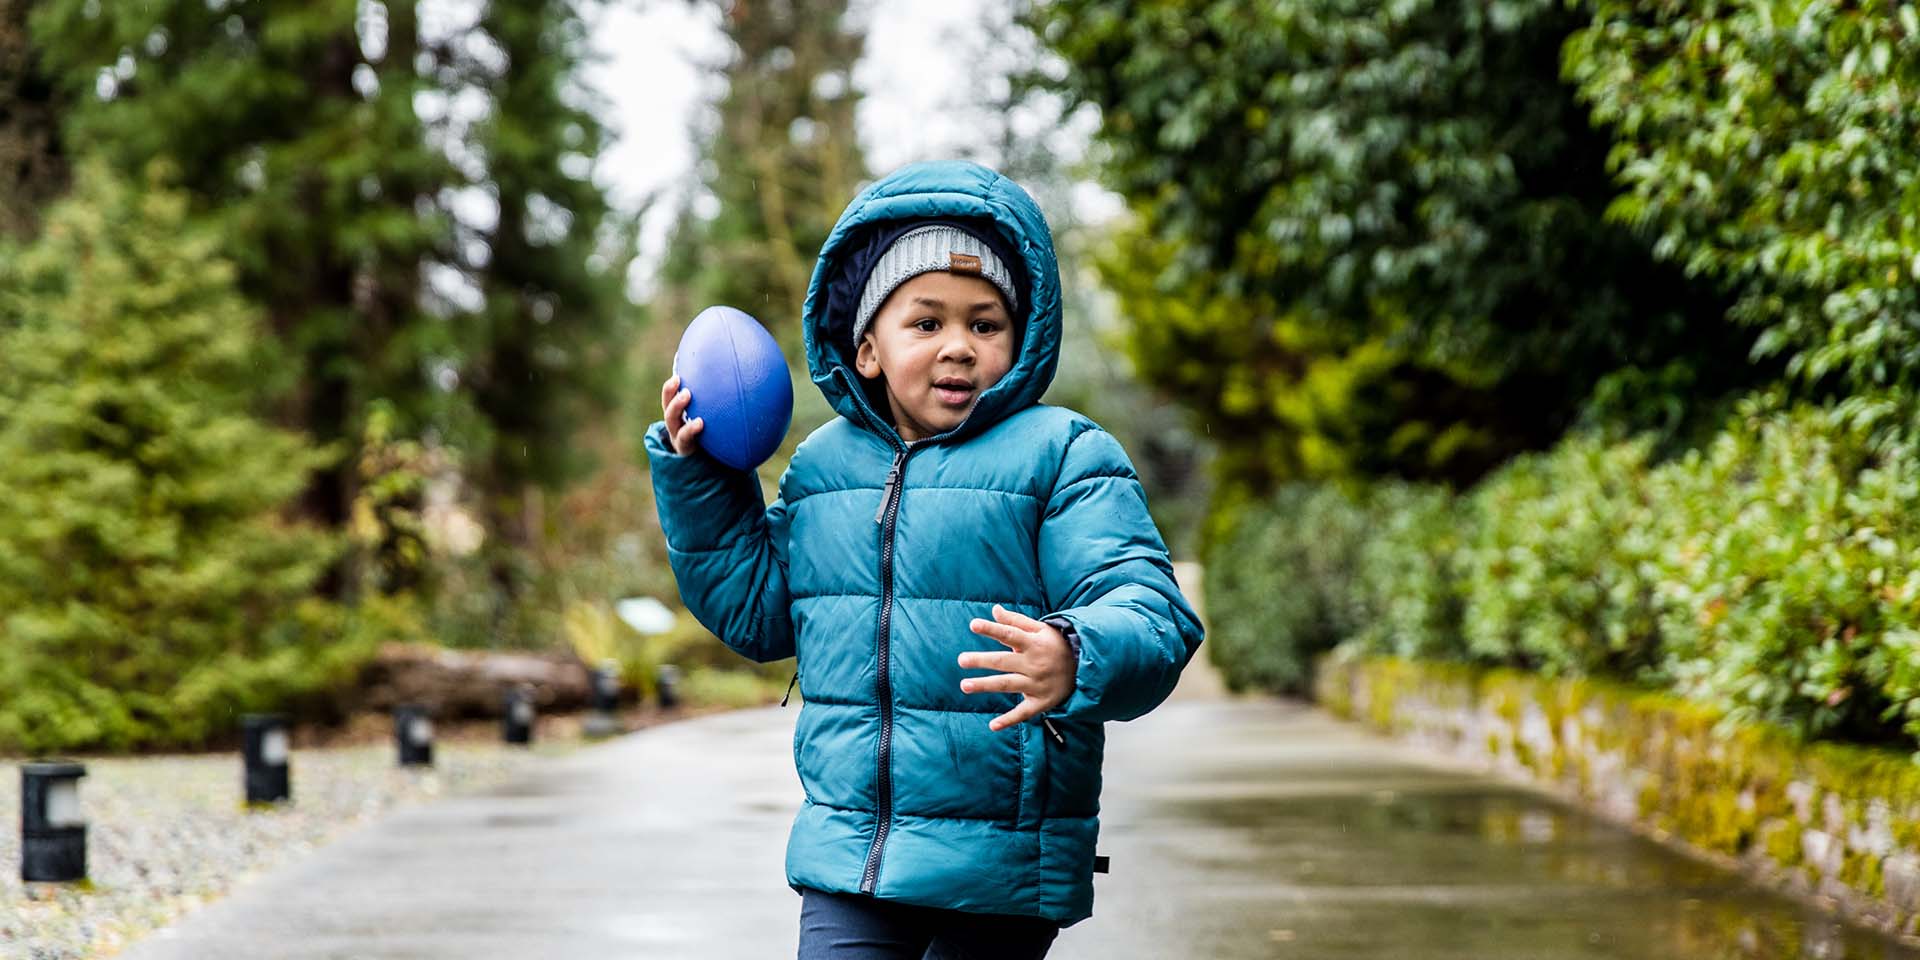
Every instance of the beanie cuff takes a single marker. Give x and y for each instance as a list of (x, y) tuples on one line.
[(936, 247)]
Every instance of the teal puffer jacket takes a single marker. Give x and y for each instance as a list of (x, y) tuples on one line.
[(878, 553)]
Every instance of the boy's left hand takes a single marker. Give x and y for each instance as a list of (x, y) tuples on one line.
[(1040, 666)]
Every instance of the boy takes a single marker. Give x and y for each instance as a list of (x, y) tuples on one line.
[(947, 813)]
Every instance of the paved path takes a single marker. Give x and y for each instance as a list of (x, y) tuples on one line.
[(1238, 829)]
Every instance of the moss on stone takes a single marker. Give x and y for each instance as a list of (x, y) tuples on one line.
[(1780, 840)]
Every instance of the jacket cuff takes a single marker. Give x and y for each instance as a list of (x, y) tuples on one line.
[(1066, 629), (701, 500)]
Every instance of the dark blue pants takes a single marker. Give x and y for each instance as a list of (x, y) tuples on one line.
[(845, 926)]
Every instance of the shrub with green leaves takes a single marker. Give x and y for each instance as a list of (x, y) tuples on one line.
[(150, 586), (1554, 569), (1774, 145), (1279, 587), (1408, 573), (1789, 573)]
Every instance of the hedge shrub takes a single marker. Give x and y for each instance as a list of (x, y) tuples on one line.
[(1774, 576)]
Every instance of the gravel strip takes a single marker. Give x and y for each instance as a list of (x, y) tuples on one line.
[(166, 834)]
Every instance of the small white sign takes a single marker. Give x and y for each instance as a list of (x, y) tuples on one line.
[(522, 712), (645, 614), (273, 747), (420, 732), (63, 804)]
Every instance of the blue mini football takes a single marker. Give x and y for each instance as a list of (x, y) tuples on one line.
[(740, 385)]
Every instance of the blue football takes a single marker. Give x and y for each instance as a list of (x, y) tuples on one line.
[(740, 386)]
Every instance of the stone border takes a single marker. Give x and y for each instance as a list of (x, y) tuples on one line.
[(1835, 825)]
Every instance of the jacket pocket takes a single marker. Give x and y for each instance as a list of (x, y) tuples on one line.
[(1033, 775)]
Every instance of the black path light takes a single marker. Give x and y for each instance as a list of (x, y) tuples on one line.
[(517, 718), (53, 831), (606, 699), (413, 733), (666, 685), (267, 754)]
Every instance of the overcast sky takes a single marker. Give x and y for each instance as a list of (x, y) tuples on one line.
[(652, 79)]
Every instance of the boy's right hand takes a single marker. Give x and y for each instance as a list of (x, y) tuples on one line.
[(682, 434)]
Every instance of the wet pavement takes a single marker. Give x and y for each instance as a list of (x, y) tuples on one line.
[(1237, 829), (1256, 828)]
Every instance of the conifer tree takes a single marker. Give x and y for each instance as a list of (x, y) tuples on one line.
[(293, 127), (543, 363), (406, 190), (145, 560), (782, 158)]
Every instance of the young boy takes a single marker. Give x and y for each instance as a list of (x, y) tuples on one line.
[(947, 523)]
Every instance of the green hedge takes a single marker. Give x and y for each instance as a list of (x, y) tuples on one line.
[(1774, 576), (1267, 637)]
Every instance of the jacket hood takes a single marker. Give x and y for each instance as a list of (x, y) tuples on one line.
[(976, 199)]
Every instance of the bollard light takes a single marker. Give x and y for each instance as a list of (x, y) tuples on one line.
[(413, 734), (666, 686), (606, 699), (517, 718), (266, 752), (53, 830), (606, 686)]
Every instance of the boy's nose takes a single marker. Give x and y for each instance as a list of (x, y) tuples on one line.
[(957, 348)]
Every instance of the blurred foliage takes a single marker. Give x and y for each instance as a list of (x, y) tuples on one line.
[(712, 673), (1307, 537), (309, 163), (779, 158), (1370, 237), (150, 582), (1775, 146), (410, 202), (1409, 572), (545, 357), (1774, 575)]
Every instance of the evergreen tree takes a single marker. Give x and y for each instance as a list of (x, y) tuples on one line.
[(149, 582), (545, 355), (409, 198), (294, 130), (782, 158)]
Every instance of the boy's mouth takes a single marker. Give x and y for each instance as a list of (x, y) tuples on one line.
[(953, 391)]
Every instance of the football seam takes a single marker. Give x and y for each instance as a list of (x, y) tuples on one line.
[(740, 391)]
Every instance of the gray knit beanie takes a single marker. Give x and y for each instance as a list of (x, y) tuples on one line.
[(924, 250)]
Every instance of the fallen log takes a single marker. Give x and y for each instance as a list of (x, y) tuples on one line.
[(457, 684)]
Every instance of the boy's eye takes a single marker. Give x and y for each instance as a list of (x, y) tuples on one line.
[(989, 326), (927, 325)]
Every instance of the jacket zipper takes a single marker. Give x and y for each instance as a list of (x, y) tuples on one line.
[(888, 516)]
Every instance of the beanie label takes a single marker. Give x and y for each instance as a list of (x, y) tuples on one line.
[(962, 263)]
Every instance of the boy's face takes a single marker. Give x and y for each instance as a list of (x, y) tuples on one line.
[(940, 339)]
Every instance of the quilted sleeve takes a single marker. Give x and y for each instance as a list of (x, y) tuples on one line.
[(729, 553), (1106, 571)]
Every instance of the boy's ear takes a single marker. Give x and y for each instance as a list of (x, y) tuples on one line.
[(867, 359)]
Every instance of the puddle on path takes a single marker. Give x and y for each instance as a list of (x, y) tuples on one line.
[(1399, 863)]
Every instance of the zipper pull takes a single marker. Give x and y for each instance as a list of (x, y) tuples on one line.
[(790, 683), (886, 494), (1057, 738)]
